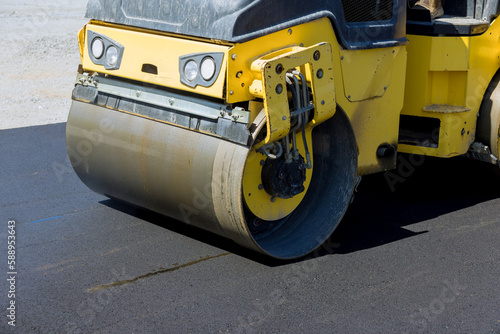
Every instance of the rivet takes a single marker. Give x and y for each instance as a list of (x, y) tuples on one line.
[(261, 186), (234, 56), (290, 31), (239, 74), (284, 118), (231, 92), (273, 199), (323, 102)]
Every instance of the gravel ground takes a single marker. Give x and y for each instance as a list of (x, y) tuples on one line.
[(39, 60)]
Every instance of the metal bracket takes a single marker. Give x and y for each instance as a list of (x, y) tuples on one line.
[(316, 63), (157, 97)]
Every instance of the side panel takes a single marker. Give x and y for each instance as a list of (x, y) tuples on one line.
[(446, 81)]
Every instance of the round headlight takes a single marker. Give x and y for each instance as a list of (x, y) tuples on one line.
[(191, 70), (112, 55), (207, 68), (97, 48)]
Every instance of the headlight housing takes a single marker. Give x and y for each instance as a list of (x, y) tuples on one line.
[(200, 69), (104, 51)]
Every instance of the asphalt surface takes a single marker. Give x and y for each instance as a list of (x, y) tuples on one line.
[(423, 258)]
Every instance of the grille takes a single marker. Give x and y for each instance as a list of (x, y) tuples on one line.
[(367, 10)]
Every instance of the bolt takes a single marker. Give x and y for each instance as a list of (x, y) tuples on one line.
[(320, 74), (231, 92), (279, 68), (222, 112), (290, 31), (234, 56), (316, 55), (279, 89), (284, 118), (262, 162), (138, 93), (342, 58), (322, 102), (171, 102), (261, 186), (463, 132), (239, 74), (349, 96), (273, 199)]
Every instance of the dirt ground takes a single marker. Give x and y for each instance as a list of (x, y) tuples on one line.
[(39, 60)]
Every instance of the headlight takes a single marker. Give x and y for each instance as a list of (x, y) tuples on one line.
[(97, 48), (112, 55), (200, 69), (207, 68), (191, 70), (104, 51)]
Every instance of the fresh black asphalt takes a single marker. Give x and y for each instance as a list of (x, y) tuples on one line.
[(418, 252)]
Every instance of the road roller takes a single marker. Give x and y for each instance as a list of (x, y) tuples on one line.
[(256, 119)]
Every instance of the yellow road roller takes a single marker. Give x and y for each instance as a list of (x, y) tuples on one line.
[(255, 119)]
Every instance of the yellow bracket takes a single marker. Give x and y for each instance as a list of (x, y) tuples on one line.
[(316, 63)]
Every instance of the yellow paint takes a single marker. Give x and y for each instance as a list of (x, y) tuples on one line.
[(376, 120), (142, 47), (258, 200), (446, 80), (367, 79), (81, 41)]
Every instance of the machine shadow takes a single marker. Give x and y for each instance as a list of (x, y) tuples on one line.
[(387, 202), (380, 211)]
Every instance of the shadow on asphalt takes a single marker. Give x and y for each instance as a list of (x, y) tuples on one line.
[(384, 204)]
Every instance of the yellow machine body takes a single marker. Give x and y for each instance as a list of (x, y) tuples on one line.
[(366, 84), (446, 80), (263, 139), (281, 86)]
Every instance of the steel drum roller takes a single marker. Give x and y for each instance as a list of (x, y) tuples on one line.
[(197, 178)]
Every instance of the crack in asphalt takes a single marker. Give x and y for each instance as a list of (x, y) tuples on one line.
[(120, 283)]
